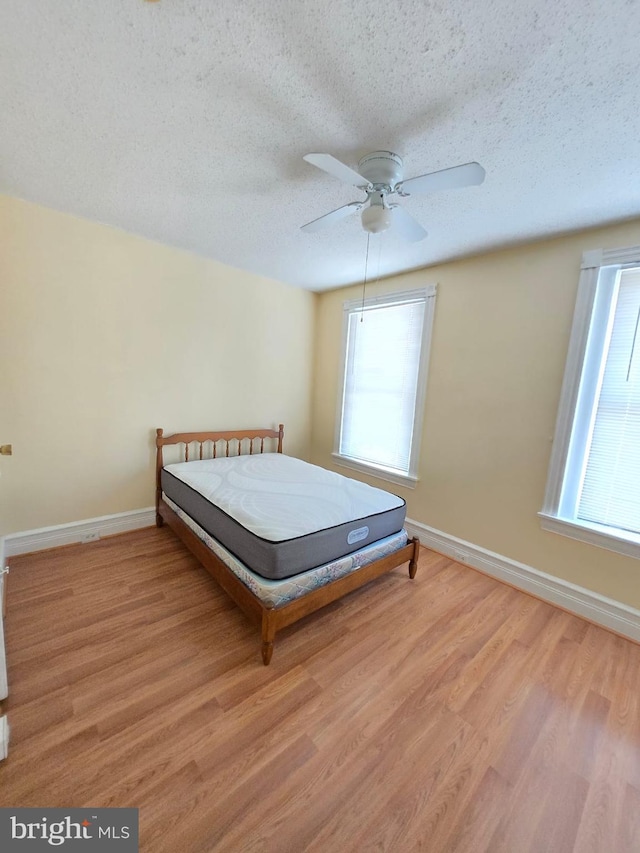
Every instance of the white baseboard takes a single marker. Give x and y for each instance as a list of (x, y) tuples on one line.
[(88, 530), (596, 608)]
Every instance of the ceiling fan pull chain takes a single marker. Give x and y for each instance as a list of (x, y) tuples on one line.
[(364, 281)]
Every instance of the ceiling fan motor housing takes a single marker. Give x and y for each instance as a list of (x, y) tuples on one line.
[(382, 168)]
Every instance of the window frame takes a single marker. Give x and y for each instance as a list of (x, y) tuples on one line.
[(352, 306), (600, 270)]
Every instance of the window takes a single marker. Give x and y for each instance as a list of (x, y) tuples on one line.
[(593, 492), (385, 353)]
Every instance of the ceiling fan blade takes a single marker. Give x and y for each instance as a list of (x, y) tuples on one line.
[(467, 175), (334, 216), (336, 169), (406, 225)]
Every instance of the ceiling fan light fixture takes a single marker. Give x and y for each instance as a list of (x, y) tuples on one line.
[(376, 218)]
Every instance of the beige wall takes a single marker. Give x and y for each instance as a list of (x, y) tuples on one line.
[(105, 336), (501, 334)]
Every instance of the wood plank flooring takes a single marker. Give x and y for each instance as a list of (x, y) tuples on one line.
[(448, 713)]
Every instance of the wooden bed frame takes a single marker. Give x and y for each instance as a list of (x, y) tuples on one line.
[(271, 619)]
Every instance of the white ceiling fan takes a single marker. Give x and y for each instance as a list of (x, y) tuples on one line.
[(379, 175)]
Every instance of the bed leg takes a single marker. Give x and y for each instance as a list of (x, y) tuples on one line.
[(159, 520), (267, 651), (413, 563), (268, 636)]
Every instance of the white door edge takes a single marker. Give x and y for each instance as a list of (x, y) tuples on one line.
[(4, 737), (4, 686)]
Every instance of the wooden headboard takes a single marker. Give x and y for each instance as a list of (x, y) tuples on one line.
[(250, 437)]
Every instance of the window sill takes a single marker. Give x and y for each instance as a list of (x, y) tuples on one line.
[(375, 471), (595, 534)]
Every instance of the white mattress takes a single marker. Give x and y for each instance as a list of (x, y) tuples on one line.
[(278, 497), (275, 593), (279, 515)]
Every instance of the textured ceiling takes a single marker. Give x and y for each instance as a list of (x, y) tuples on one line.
[(186, 122)]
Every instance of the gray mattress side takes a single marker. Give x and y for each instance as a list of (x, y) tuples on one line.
[(278, 560)]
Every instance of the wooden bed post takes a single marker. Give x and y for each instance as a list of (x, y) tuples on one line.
[(280, 437), (413, 562), (159, 519), (268, 636)]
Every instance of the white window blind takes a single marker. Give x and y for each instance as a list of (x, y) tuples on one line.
[(610, 489), (383, 386)]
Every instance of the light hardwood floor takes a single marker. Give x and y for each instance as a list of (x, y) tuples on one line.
[(448, 713)]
